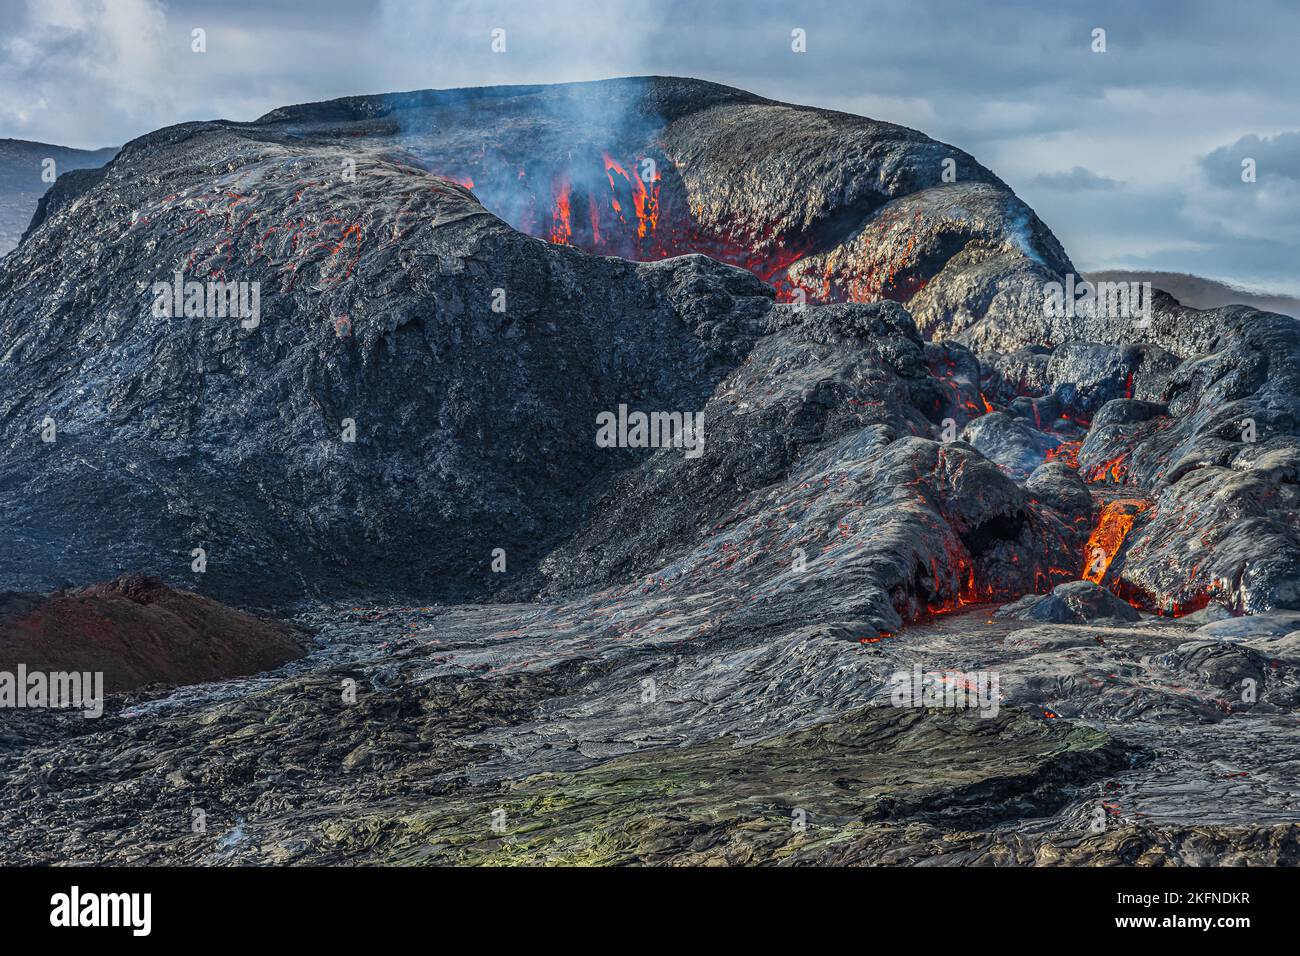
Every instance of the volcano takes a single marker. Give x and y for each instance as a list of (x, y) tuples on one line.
[(399, 450)]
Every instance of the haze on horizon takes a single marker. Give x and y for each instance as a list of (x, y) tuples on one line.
[(1132, 156)]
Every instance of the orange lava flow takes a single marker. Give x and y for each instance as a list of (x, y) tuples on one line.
[(645, 202), (969, 593), (1176, 609), (1113, 470), (1066, 452), (561, 227), (1107, 538)]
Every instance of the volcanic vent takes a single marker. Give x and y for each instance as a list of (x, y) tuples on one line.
[(833, 206)]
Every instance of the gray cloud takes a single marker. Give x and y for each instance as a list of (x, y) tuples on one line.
[(1274, 156), (1265, 208)]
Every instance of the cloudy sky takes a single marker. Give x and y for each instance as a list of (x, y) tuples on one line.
[(1132, 156)]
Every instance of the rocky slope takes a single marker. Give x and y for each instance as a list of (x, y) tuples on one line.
[(473, 428), (827, 205)]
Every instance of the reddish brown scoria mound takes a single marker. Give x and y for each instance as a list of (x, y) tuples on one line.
[(137, 631)]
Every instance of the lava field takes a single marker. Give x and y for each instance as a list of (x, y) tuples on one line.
[(470, 633)]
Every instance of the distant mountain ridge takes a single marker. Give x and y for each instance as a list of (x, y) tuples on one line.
[(21, 185), (1202, 293)]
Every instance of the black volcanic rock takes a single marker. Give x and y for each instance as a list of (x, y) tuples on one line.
[(1196, 413), (817, 496), (1220, 663), (1084, 375), (1011, 442), (1076, 602), (473, 427), (1059, 486), (1019, 372), (1218, 452)]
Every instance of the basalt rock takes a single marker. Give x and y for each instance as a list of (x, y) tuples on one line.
[(473, 428), (1011, 442), (845, 513), (1218, 451), (542, 709), (1076, 602), (1191, 414)]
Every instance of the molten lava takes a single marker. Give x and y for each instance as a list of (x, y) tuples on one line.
[(968, 594), (645, 202), (1113, 470), (561, 224), (625, 206), (1066, 452), (1113, 526)]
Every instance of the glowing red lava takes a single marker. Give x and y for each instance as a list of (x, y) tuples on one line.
[(1113, 526), (1066, 452), (970, 593), (561, 226), (636, 206), (1112, 470)]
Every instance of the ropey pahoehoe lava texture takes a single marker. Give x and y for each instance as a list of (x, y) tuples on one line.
[(895, 431)]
